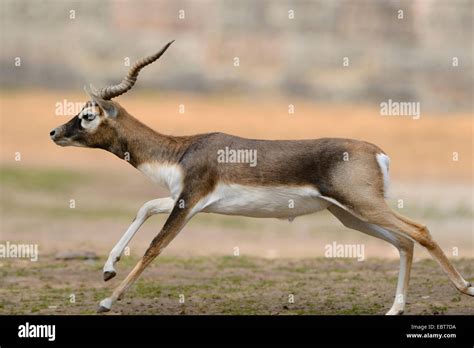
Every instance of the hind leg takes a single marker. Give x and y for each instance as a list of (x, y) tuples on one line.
[(403, 244), (381, 215)]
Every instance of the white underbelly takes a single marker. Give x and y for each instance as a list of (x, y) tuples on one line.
[(263, 201)]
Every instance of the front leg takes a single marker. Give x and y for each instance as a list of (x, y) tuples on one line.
[(180, 214), (156, 206)]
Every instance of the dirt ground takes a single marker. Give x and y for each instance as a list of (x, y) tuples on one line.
[(230, 285), (278, 258)]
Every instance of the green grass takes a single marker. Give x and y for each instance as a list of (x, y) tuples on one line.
[(152, 289), (63, 211), (48, 180), (226, 262)]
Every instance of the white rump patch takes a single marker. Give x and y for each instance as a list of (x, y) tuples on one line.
[(384, 164), (169, 176)]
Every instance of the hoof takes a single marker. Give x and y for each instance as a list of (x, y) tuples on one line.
[(395, 311), (104, 305), (469, 291), (102, 309), (109, 275)]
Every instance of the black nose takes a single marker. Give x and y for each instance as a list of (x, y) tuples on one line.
[(52, 132)]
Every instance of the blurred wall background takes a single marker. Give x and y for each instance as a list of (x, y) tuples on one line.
[(63, 44)]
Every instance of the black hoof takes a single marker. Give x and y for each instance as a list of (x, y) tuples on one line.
[(102, 309), (109, 275)]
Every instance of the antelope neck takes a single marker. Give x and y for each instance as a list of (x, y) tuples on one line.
[(137, 144)]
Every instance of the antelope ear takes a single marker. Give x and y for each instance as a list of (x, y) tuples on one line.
[(107, 106)]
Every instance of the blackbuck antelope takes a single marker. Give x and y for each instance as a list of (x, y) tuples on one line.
[(347, 177)]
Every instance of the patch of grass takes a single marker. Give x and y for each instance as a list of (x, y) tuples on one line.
[(50, 264), (438, 309), (425, 263), (359, 308), (100, 294), (150, 289), (295, 269), (226, 262), (30, 179), (147, 289), (35, 309), (238, 309), (63, 211), (88, 312), (125, 261), (456, 298), (196, 262)]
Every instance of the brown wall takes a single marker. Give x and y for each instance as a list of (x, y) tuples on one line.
[(408, 59)]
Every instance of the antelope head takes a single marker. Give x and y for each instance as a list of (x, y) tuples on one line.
[(101, 121)]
